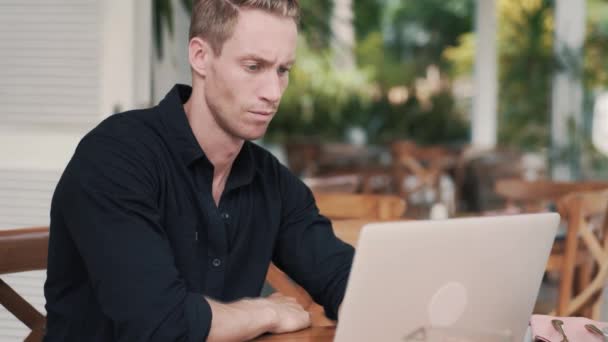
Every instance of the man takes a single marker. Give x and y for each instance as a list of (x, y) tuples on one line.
[(165, 220)]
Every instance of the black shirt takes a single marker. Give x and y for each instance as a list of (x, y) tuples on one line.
[(136, 239)]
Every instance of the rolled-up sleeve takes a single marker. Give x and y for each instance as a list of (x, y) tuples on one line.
[(109, 205), (307, 248)]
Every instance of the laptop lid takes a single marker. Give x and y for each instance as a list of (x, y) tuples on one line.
[(411, 279)]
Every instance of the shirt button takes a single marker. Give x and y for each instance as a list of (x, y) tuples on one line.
[(225, 216), (216, 262)]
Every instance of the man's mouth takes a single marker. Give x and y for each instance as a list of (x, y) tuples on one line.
[(261, 112)]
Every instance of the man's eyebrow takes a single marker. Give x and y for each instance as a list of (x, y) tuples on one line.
[(256, 58), (261, 59)]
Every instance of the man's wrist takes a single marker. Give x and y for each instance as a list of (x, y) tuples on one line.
[(250, 317), (265, 312)]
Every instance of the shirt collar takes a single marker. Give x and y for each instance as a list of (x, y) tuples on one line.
[(180, 135)]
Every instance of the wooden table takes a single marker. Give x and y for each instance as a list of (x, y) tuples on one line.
[(314, 334)]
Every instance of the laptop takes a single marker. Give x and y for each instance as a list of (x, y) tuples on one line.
[(468, 279)]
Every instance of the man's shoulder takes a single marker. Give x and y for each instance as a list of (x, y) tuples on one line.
[(139, 123), (131, 133)]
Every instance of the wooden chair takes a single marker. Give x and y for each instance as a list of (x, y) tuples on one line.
[(405, 163), (526, 196), (426, 163), (424, 175), (348, 212), (23, 250), (580, 210)]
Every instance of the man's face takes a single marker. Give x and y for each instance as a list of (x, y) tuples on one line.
[(244, 85)]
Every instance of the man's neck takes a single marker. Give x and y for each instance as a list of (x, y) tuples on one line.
[(220, 148)]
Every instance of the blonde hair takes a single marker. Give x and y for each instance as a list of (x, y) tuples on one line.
[(214, 20)]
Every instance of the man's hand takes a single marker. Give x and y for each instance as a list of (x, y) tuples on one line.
[(245, 319), (290, 316)]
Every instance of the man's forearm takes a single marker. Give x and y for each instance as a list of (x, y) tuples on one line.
[(240, 321)]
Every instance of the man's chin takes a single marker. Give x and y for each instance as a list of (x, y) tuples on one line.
[(254, 135), (251, 131)]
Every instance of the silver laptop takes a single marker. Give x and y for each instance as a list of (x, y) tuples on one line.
[(470, 279)]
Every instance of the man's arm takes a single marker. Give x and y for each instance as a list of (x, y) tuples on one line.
[(307, 248)]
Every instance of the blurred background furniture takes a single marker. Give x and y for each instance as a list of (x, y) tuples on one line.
[(477, 174), (303, 157), (424, 176)]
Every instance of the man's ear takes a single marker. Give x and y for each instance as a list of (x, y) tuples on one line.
[(199, 53)]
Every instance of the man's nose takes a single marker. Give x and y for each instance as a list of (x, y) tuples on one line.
[(271, 90)]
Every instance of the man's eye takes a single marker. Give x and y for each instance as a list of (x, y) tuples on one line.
[(283, 71), (252, 67)]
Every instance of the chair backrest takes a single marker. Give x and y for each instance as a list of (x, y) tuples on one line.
[(360, 206), (23, 250), (532, 195), (581, 210)]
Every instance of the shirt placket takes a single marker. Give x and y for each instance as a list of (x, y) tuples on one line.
[(215, 252)]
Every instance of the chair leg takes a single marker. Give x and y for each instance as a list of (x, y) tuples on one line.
[(585, 273), (596, 309), (565, 292)]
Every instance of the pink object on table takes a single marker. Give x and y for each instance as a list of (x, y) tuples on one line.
[(574, 327)]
